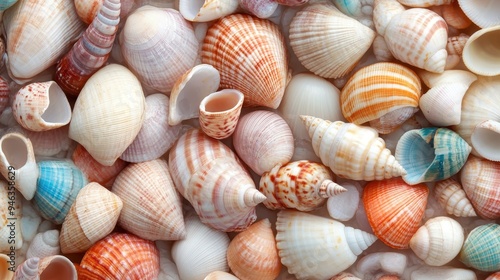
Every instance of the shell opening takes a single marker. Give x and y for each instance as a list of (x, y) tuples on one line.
[(190, 9), (59, 110), (222, 101), (485, 140), (483, 54), (418, 160), (15, 151), (59, 268)]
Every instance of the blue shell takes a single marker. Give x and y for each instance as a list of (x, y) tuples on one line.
[(5, 4), (481, 249), (431, 154), (350, 8), (57, 187)]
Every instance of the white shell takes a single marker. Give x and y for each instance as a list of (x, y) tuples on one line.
[(343, 206), (207, 10), (481, 53), (374, 264), (484, 13), (45, 244)]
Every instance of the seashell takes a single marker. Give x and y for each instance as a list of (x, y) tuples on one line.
[(453, 199), (228, 198), (259, 8), (351, 151), (424, 3), (438, 241), (207, 10), (292, 2), (87, 10), (4, 94), (424, 272), (442, 104), (431, 154), (156, 135), (343, 206), (120, 256), (383, 12), (260, 60), (263, 139), (381, 266), (91, 51), (347, 40), (6, 272), (57, 187), (151, 205), (194, 263), (41, 106), (17, 163), (49, 143), (494, 276), (220, 275), (481, 248), (483, 13), (480, 53), (189, 90), (12, 209), (454, 48), (454, 16), (302, 185), (394, 210), (91, 217), (108, 127), (345, 276), (252, 254), (219, 113), (53, 27), (313, 247), (480, 179), (150, 43), (56, 267), (28, 270), (381, 93), (4, 5), (44, 244), (168, 269)]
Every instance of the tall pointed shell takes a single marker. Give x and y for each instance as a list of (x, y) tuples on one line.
[(51, 26), (106, 128), (351, 151), (394, 210), (313, 247), (91, 51), (120, 256), (92, 217), (150, 43), (380, 89), (263, 139), (302, 185), (220, 112), (251, 57), (28, 270), (207, 10), (56, 267), (483, 13), (151, 205), (451, 196), (431, 154), (327, 42), (252, 254), (44, 244), (438, 241), (424, 3), (481, 248), (481, 52)]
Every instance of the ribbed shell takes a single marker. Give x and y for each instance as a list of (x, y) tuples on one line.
[(4, 94), (120, 256), (481, 248), (251, 57), (455, 47), (252, 254), (451, 196), (27, 270), (394, 210), (377, 90), (50, 142), (44, 244), (352, 151), (91, 51), (327, 42), (484, 13)]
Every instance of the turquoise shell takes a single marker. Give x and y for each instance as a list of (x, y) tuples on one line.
[(351, 8), (431, 154), (481, 249), (57, 187), (5, 4)]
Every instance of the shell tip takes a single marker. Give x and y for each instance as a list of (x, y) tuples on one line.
[(253, 197), (329, 188)]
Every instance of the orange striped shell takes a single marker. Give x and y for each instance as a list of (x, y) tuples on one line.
[(394, 210), (379, 89)]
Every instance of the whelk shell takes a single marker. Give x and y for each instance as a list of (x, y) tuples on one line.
[(453, 199), (455, 47)]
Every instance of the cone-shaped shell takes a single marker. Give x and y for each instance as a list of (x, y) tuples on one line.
[(451, 196), (56, 267), (438, 241), (44, 244), (327, 42), (251, 57), (481, 248), (351, 151), (28, 270), (481, 52), (394, 210), (106, 128), (484, 13), (252, 254), (92, 216), (151, 205), (207, 10), (313, 247), (120, 256), (302, 185), (455, 48), (220, 112), (379, 89)]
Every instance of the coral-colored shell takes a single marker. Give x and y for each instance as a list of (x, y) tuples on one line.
[(251, 57), (395, 210), (451, 196), (454, 16), (120, 256)]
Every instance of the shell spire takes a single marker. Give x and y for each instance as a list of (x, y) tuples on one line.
[(91, 51), (253, 197), (28, 270), (352, 151), (329, 188)]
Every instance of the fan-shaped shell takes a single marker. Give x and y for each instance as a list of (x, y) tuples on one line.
[(481, 248), (395, 210), (481, 52), (481, 12), (251, 57), (451, 196)]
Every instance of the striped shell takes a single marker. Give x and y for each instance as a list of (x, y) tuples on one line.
[(380, 89), (481, 248), (451, 196)]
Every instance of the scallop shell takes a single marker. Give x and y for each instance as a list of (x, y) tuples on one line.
[(494, 276), (12, 209), (481, 248), (452, 198), (395, 210), (313, 247), (27, 270), (424, 3), (44, 244), (119, 256), (342, 43), (380, 89), (351, 151), (252, 254), (207, 10), (106, 128), (220, 112), (251, 57), (481, 52), (263, 139), (483, 13)]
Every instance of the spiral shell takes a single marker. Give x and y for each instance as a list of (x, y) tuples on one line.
[(44, 244), (28, 270), (481, 249), (455, 47), (453, 199)]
